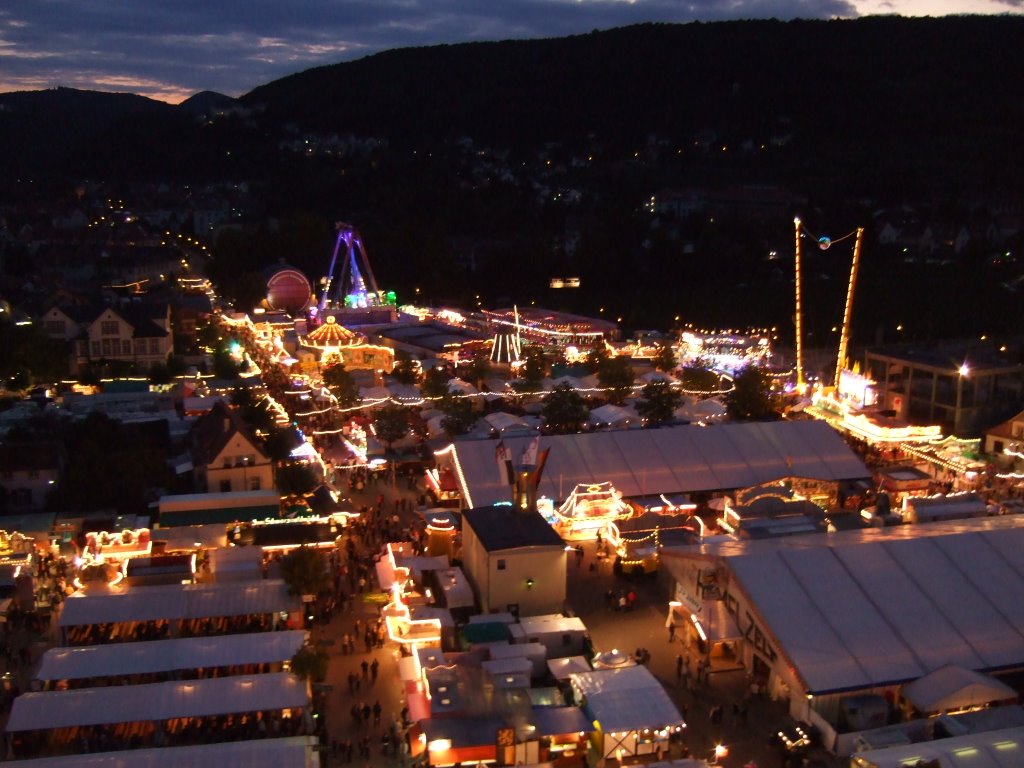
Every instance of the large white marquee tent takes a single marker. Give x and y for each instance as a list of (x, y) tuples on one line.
[(154, 702), (141, 658), (672, 460), (176, 601), (857, 610), (290, 752)]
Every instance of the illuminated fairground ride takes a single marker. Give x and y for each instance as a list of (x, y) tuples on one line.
[(586, 512), (824, 243), (355, 286)]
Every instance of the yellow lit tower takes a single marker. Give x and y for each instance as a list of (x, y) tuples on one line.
[(824, 243)]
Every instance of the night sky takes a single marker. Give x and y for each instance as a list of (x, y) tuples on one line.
[(170, 49)]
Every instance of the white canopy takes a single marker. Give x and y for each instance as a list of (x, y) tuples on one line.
[(626, 699), (458, 386), (373, 394), (156, 701), (169, 655), (500, 420), (615, 415), (177, 601), (650, 376), (566, 667), (674, 460), (290, 752), (953, 687), (863, 609), (990, 749)]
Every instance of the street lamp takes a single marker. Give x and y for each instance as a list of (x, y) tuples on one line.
[(718, 753)]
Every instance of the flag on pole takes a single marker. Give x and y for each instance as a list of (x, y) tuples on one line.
[(504, 461), (529, 458)]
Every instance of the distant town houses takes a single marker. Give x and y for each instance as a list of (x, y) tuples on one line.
[(226, 456), (138, 334)]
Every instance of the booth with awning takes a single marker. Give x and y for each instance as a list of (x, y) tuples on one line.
[(630, 710)]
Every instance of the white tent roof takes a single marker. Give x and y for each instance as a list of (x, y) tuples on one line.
[(177, 601), (374, 393), (566, 667), (626, 699), (673, 460), (953, 687), (500, 420), (290, 752), (460, 386), (612, 414), (156, 701), (570, 381), (990, 749), (168, 655), (650, 376), (858, 609)]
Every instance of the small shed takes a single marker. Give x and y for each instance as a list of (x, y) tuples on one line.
[(560, 635)]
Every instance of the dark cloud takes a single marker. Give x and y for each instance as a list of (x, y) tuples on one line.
[(174, 48)]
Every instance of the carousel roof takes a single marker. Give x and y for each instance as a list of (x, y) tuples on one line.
[(330, 334)]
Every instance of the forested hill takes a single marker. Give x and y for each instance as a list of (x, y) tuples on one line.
[(939, 97), (869, 86)]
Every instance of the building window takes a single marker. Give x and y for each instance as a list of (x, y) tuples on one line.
[(110, 328), (55, 327), (126, 347), (501, 565), (998, 446), (96, 349), (140, 346), (154, 346), (225, 486), (254, 484)]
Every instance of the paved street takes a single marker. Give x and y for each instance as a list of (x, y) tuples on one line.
[(642, 627)]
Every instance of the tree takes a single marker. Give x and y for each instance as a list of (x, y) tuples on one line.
[(342, 385), (406, 370), (459, 417), (564, 410), (616, 376), (535, 368), (110, 466), (310, 663), (750, 397), (29, 355), (658, 402), (596, 357), (305, 571), (295, 478), (391, 423), (664, 358), (699, 379), (478, 369), (280, 442), (224, 365), (435, 383)]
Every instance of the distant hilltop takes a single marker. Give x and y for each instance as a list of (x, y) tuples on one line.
[(862, 88)]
